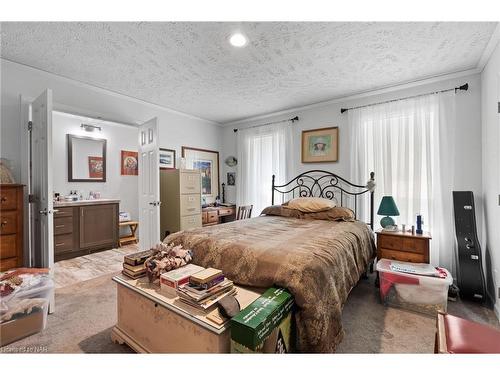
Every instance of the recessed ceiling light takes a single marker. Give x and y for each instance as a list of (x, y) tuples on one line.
[(238, 40)]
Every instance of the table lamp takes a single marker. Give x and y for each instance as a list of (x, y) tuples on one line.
[(387, 208)]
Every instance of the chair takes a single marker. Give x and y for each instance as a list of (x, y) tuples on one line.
[(244, 212), (457, 335)]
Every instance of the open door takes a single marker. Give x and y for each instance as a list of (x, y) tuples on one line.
[(41, 183), (149, 185)]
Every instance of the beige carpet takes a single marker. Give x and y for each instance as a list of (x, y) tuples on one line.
[(86, 312)]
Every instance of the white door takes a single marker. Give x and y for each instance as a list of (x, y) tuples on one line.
[(149, 185), (41, 183)]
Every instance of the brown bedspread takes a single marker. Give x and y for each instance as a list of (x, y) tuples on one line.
[(318, 261)]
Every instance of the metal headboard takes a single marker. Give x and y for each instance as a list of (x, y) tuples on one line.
[(323, 184)]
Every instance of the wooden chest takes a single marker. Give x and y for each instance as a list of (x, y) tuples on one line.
[(151, 322), (11, 226)]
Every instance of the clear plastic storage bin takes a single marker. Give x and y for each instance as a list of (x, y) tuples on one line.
[(423, 294), (25, 312)]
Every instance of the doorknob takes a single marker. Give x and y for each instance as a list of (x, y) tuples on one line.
[(47, 212)]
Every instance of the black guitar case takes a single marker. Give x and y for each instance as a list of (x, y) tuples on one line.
[(470, 264)]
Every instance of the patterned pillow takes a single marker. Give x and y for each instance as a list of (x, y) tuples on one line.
[(333, 214), (279, 210), (310, 204)]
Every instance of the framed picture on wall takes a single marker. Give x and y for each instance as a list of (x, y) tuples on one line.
[(129, 163), (320, 145), (231, 178), (95, 167), (167, 158), (207, 162)]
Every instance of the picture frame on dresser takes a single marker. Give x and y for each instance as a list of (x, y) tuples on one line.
[(207, 162)]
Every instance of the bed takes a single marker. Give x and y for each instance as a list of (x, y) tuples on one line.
[(319, 261)]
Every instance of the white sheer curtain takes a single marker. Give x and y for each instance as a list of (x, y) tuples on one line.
[(262, 152), (407, 144)]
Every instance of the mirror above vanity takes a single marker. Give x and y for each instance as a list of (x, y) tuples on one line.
[(86, 159)]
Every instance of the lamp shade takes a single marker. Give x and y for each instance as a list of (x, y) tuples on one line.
[(388, 207)]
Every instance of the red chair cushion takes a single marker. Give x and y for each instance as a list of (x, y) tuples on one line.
[(463, 336)]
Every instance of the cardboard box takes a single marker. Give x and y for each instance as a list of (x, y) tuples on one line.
[(265, 326)]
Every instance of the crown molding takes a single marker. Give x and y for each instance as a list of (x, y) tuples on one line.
[(360, 95), (110, 92), (490, 47)]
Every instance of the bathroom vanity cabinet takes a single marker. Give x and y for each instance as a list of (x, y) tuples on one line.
[(83, 227)]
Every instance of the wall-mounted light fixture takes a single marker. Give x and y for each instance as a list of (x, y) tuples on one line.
[(90, 128)]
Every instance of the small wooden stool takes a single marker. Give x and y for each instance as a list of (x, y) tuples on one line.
[(456, 335), (133, 228)]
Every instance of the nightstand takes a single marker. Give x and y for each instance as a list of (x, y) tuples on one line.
[(406, 247)]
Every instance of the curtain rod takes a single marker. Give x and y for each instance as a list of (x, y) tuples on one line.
[(464, 87), (296, 118)]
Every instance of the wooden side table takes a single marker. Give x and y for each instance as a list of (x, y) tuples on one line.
[(217, 215), (132, 237), (405, 247)]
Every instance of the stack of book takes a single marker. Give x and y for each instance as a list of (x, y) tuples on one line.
[(171, 281), (133, 264), (205, 288)]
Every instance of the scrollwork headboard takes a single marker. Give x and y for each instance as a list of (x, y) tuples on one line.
[(323, 184)]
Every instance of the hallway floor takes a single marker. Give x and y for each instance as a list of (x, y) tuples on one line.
[(87, 267)]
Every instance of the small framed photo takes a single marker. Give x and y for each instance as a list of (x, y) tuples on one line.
[(130, 163), (167, 158), (231, 178), (320, 145)]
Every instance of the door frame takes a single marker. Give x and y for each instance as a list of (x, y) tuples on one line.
[(24, 118)]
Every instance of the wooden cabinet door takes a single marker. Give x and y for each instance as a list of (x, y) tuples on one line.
[(98, 225)]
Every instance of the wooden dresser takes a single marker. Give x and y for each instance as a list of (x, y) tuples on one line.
[(11, 226), (404, 247), (217, 215), (84, 227), (180, 196)]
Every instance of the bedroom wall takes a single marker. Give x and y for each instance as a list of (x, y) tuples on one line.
[(467, 135), (490, 79), (176, 129)]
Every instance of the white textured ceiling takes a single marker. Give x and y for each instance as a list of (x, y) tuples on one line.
[(191, 67)]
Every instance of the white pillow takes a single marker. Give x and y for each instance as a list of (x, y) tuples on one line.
[(310, 204)]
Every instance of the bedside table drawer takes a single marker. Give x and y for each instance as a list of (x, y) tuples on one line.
[(402, 256), (390, 242), (414, 246)]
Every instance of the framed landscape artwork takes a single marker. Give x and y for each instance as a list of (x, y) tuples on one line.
[(130, 163), (207, 162), (320, 145), (167, 158)]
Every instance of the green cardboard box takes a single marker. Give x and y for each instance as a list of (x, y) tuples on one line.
[(265, 325)]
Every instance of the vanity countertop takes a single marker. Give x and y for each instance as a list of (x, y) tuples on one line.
[(86, 202)]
